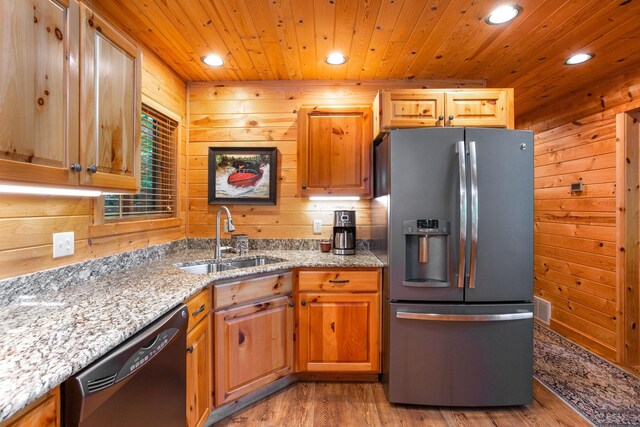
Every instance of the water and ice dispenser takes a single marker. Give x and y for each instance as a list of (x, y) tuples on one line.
[(427, 252)]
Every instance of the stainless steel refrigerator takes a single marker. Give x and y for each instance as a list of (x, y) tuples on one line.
[(453, 224)]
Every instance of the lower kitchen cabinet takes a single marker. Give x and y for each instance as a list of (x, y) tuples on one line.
[(338, 320), (339, 332), (199, 374), (44, 412), (199, 382), (253, 347)]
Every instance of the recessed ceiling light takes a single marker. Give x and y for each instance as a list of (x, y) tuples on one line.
[(213, 60), (335, 58), (579, 58), (503, 14)]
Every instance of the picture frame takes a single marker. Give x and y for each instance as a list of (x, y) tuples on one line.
[(242, 175)]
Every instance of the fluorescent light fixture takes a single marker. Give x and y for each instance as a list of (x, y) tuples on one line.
[(48, 191), (503, 14), (579, 58), (335, 58), (213, 60), (334, 198)]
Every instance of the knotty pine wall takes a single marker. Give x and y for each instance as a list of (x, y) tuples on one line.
[(576, 241), (264, 114), (28, 222)]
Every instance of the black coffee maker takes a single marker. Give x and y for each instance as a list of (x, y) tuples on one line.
[(344, 232)]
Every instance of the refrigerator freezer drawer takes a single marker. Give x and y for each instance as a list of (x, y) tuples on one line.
[(460, 355)]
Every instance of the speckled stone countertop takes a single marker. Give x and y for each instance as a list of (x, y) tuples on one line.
[(48, 336)]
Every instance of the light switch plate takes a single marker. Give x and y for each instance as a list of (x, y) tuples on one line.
[(63, 244), (317, 226)]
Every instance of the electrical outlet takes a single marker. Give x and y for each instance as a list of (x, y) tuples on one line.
[(317, 226), (63, 244), (226, 225)]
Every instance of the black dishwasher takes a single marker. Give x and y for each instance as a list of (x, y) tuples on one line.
[(140, 383)]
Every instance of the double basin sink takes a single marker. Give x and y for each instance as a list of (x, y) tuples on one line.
[(226, 265)]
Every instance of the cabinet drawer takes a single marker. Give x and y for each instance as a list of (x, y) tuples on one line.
[(339, 280), (198, 306), (241, 291)]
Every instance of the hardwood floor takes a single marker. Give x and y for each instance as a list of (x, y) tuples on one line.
[(364, 404)]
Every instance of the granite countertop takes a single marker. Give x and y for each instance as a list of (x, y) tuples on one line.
[(47, 337)]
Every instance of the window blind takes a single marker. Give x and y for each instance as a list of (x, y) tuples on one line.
[(157, 197)]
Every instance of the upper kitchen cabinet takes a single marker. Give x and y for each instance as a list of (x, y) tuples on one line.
[(39, 91), (69, 98), (409, 108), (334, 151), (111, 70)]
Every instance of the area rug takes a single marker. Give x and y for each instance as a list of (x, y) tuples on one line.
[(603, 393)]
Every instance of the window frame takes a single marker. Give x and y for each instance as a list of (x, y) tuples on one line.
[(99, 216)]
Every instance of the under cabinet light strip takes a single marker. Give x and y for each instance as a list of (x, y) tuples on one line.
[(334, 198), (48, 191)]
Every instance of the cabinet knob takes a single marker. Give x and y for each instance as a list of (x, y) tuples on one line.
[(76, 167), (304, 186), (440, 118), (451, 117), (92, 169), (190, 349), (291, 304), (303, 302)]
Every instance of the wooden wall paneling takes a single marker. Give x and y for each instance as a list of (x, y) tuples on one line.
[(575, 234), (628, 201), (264, 114)]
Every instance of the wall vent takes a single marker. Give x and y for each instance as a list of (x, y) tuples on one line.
[(542, 310)]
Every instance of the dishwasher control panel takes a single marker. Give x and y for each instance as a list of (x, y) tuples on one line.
[(146, 352)]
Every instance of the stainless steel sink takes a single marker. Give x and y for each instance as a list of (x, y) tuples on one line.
[(225, 265), (207, 268), (253, 262)]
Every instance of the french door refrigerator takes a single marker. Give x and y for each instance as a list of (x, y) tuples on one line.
[(453, 225)]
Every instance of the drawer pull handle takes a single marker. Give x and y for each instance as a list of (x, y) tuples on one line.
[(339, 281), (190, 349), (198, 311)]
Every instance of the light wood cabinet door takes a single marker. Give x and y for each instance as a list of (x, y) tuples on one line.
[(334, 151), (339, 332), (110, 106), (199, 396), (44, 412), (253, 347), (412, 108), (38, 91), (479, 108)]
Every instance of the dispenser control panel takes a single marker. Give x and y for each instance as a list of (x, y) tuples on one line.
[(426, 227)]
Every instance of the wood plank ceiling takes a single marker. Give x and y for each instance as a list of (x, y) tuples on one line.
[(392, 39)]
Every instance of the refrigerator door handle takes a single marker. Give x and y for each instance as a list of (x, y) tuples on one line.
[(460, 150), (464, 317), (474, 214)]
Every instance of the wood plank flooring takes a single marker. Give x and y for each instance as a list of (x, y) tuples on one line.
[(364, 404)]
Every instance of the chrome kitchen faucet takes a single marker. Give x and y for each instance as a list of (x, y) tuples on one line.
[(232, 228)]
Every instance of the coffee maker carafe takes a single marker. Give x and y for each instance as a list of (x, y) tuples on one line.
[(344, 232)]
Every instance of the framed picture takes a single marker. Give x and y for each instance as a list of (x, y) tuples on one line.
[(242, 175)]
